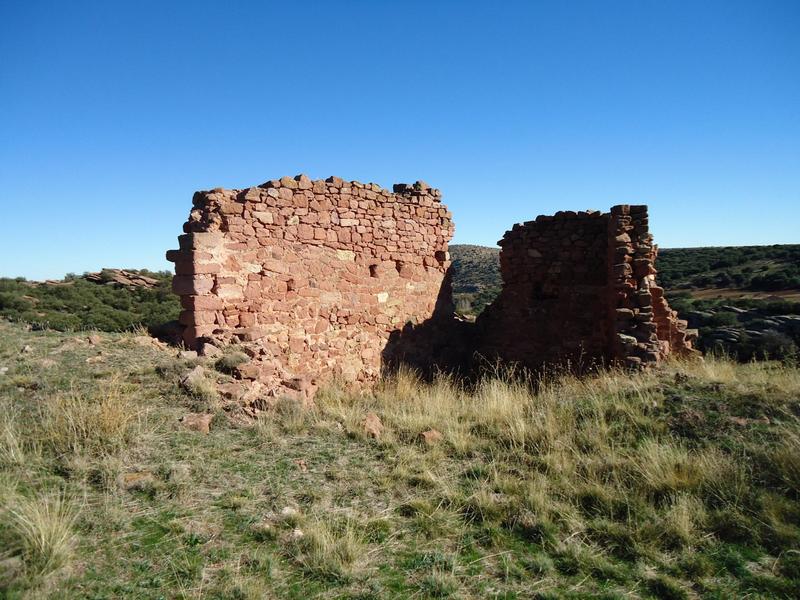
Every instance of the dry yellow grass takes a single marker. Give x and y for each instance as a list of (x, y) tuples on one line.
[(74, 422), (43, 531), (669, 483), (12, 450), (328, 549)]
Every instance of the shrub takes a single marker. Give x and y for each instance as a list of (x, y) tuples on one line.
[(723, 319), (79, 304)]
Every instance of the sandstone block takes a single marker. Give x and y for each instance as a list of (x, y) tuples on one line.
[(188, 285), (264, 217), (373, 426), (430, 437), (197, 422), (201, 240), (304, 182)]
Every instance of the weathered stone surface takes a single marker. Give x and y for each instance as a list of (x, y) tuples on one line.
[(304, 386), (209, 350), (120, 277), (578, 290), (314, 276), (193, 378), (197, 422), (373, 426), (430, 437)]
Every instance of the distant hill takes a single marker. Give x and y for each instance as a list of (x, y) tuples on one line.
[(476, 276), (754, 268), (475, 267), (700, 271), (109, 300)]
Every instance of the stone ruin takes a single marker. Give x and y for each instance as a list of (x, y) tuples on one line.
[(329, 279), (579, 289)]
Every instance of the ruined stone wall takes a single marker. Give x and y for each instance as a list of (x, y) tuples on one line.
[(322, 279), (579, 290), (553, 304), (313, 276)]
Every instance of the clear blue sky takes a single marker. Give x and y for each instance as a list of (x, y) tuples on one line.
[(113, 113)]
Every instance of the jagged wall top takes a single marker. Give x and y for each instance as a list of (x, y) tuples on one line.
[(320, 273)]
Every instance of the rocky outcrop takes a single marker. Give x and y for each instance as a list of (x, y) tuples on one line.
[(121, 277)]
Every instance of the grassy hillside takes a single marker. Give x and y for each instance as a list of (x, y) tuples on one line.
[(476, 276), (757, 268), (678, 483), (78, 304), (475, 267)]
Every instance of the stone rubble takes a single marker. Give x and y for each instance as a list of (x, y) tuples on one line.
[(120, 277), (373, 426), (431, 437), (197, 422)]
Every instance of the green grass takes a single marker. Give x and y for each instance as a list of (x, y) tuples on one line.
[(679, 483)]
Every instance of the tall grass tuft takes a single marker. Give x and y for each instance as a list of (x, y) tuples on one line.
[(43, 531), (12, 452), (328, 551), (786, 458), (78, 423)]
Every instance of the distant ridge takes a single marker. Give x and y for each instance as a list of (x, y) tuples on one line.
[(476, 271)]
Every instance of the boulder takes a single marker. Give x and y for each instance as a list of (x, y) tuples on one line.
[(197, 422), (430, 437), (193, 378), (373, 426)]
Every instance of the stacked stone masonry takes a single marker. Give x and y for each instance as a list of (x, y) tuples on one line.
[(311, 276), (579, 290), (316, 278)]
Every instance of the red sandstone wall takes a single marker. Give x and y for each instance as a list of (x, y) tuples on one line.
[(553, 304), (313, 275), (332, 278), (579, 290), (646, 329)]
